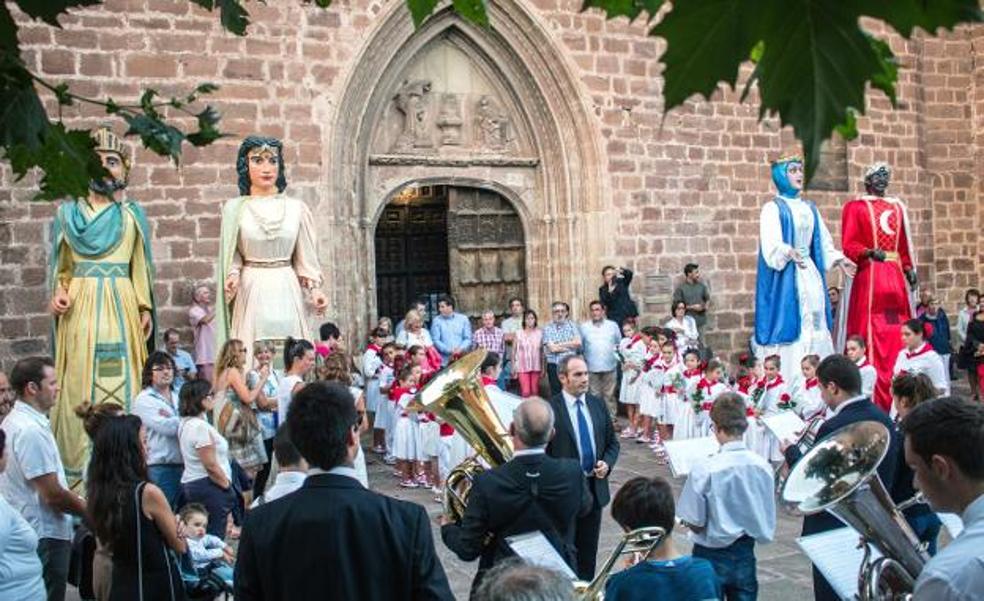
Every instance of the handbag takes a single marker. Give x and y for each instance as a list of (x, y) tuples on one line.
[(238, 423)]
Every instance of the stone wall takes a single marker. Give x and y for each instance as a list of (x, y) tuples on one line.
[(666, 189)]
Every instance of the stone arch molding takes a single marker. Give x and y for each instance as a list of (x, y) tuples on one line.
[(552, 172)]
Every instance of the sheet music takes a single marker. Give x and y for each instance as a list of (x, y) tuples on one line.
[(534, 548), (836, 554), (685, 454), (785, 425), (953, 523)]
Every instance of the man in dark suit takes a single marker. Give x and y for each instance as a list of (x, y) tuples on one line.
[(585, 433), (333, 538), (840, 387), (530, 492)]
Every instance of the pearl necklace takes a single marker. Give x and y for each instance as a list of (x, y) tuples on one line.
[(270, 226)]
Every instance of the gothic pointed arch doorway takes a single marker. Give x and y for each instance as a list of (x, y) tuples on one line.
[(436, 239)]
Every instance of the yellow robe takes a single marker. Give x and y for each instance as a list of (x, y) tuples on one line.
[(100, 347)]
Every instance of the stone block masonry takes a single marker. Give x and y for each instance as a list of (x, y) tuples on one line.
[(677, 188)]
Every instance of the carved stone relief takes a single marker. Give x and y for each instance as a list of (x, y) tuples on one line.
[(492, 125), (412, 101), (449, 121)]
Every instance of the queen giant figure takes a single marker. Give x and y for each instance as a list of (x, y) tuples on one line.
[(268, 255), (792, 309)]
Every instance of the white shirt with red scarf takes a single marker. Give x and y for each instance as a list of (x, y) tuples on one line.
[(808, 400), (924, 360), (868, 377)]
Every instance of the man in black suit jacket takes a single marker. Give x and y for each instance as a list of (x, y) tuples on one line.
[(581, 416), (840, 387), (530, 492), (333, 538)]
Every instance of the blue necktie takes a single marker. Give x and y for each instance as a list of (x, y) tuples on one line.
[(584, 434)]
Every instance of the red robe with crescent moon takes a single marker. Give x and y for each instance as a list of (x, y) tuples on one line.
[(879, 299)]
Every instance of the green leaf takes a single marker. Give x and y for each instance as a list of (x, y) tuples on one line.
[(929, 15), (23, 120), (473, 10), (706, 42), (207, 88), (207, 132), (233, 15), (888, 73), (155, 134), (62, 94), (420, 10), (815, 65), (323, 3), (67, 159), (49, 10), (849, 129)]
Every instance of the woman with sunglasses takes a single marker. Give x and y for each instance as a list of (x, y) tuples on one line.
[(156, 406)]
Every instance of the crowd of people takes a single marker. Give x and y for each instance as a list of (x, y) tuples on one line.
[(264, 445)]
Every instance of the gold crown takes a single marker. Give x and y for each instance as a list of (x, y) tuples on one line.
[(107, 141), (788, 154)]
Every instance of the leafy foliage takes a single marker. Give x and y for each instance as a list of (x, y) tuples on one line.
[(813, 63)]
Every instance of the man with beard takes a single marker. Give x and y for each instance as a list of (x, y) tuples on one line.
[(102, 300), (877, 301)]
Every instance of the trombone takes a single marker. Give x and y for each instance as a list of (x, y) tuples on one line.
[(639, 543)]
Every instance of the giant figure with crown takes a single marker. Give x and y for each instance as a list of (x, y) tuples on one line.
[(792, 311), (101, 278)]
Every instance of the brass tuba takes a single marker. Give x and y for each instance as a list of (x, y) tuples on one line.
[(456, 395), (803, 442), (639, 542), (839, 475)]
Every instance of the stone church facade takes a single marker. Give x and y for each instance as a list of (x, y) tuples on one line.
[(515, 160)]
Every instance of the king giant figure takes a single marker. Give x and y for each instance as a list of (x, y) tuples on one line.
[(101, 277), (876, 234)]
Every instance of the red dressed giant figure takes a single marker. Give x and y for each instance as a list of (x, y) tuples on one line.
[(876, 236)]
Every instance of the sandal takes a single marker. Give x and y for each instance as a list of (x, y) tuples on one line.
[(408, 484)]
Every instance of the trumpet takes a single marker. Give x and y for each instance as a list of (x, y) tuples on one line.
[(839, 475), (639, 542)]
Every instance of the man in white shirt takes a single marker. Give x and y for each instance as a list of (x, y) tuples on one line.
[(34, 482), (600, 338), (729, 502), (943, 442), (291, 469)]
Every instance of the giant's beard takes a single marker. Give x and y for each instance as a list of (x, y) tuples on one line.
[(106, 187)]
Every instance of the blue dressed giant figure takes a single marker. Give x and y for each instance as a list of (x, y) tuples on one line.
[(792, 311)]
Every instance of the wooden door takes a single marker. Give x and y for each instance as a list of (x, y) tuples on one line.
[(486, 249), (412, 251)]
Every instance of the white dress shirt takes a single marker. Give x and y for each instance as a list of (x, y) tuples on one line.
[(32, 453), (957, 572), (286, 483), (731, 495), (572, 408), (339, 470)]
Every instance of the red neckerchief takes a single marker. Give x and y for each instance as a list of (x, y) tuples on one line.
[(925, 348), (634, 340), (774, 383), (374, 348), (745, 383), (811, 382), (397, 391), (705, 385), (863, 362), (689, 373), (487, 381), (651, 363), (447, 429)]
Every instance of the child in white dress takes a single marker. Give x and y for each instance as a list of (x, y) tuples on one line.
[(775, 399), (406, 435), (652, 383), (371, 362), (806, 391), (686, 418), (385, 416), (668, 399), (857, 350), (918, 357), (632, 350), (703, 395)]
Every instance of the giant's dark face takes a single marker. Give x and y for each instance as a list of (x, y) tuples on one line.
[(876, 183)]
